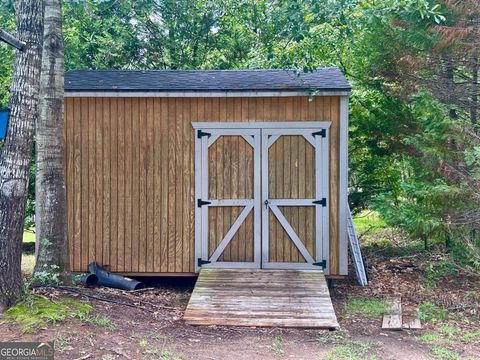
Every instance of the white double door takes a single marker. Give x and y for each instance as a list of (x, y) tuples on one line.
[(262, 196)]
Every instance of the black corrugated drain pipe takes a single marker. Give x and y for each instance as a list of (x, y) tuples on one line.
[(106, 278), (88, 279)]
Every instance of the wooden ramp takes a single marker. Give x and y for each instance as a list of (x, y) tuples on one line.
[(283, 298)]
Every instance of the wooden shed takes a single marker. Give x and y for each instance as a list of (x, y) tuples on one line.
[(169, 172)]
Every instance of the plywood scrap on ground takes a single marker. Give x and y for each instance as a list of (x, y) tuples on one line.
[(394, 319)]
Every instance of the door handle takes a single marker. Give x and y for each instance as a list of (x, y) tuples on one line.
[(266, 204)]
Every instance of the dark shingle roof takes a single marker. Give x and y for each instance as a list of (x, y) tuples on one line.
[(324, 79)]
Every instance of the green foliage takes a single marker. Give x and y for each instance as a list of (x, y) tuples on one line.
[(449, 334), (471, 336), (423, 198), (443, 353), (277, 345), (436, 270), (466, 250), (36, 311), (331, 337), (30, 206), (449, 331), (371, 308), (431, 312), (430, 337), (169, 355), (61, 342), (98, 320), (351, 350), (7, 23), (47, 275)]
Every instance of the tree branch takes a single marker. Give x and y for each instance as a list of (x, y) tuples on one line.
[(11, 40), (90, 12)]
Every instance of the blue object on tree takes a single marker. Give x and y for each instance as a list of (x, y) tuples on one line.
[(4, 115)]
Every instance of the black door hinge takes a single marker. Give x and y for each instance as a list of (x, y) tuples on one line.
[(200, 203), (322, 133), (322, 202), (201, 133), (322, 263), (201, 262)]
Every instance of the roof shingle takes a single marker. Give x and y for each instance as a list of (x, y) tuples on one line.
[(323, 79)]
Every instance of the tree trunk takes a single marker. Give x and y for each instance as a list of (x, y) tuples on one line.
[(50, 196), (16, 154)]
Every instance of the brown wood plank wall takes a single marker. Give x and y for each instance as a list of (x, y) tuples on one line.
[(231, 178), (130, 175), (291, 168)]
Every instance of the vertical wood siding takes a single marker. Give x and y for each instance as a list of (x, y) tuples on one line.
[(130, 177), (230, 169), (291, 176)]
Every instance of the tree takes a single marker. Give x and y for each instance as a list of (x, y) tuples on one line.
[(16, 154), (52, 263)]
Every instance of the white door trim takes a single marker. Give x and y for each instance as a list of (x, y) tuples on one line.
[(253, 124)]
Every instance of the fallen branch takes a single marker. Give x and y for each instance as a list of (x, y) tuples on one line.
[(145, 302), (461, 307), (141, 290), (11, 40), (75, 291), (88, 356), (118, 352)]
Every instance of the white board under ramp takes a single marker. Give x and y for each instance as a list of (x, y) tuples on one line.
[(271, 298)]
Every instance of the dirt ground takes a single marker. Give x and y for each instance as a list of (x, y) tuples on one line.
[(152, 326)]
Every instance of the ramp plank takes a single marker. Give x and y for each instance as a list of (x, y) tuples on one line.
[(271, 298)]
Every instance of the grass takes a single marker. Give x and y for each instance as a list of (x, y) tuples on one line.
[(371, 308), (368, 221), (430, 337), (450, 334), (99, 320), (28, 260), (351, 350), (28, 236), (152, 351), (449, 331), (28, 263), (430, 312), (277, 345), (149, 349), (443, 353), (37, 311), (169, 355), (331, 337), (62, 341), (471, 336)]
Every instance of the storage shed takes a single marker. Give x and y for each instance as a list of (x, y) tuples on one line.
[(169, 172)]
